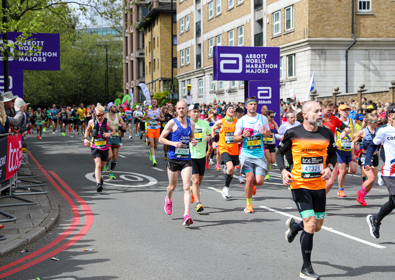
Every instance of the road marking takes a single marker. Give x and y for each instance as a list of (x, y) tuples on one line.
[(327, 228), (278, 184), (214, 189), (156, 168), (121, 156), (128, 179)]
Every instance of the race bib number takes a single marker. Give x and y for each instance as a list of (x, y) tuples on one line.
[(164, 124), (199, 135), (346, 144), (154, 123), (100, 142), (229, 137), (312, 167), (182, 152), (269, 139), (254, 142)]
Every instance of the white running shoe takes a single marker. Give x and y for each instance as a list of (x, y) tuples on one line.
[(211, 161), (241, 180), (130, 137), (380, 181), (53, 132), (225, 193)]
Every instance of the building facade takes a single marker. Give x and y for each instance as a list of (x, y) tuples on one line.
[(313, 36)]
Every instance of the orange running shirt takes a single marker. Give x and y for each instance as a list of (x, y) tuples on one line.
[(226, 142)]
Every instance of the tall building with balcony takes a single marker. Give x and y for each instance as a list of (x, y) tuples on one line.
[(313, 36)]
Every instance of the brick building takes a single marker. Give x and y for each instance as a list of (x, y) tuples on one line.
[(313, 35)]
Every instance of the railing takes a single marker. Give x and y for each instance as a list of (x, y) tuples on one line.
[(198, 61), (258, 4), (258, 40), (198, 28)]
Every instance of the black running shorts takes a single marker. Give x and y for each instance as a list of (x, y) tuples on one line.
[(96, 153), (310, 202), (271, 148), (178, 165), (226, 157), (198, 166), (374, 159)]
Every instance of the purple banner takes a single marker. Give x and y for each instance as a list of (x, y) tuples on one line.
[(48, 59), (15, 79), (246, 63)]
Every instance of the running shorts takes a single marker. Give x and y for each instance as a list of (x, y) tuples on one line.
[(374, 159), (390, 184), (344, 157), (55, 119), (96, 153), (310, 203), (142, 126), (271, 148), (153, 133), (87, 119), (198, 166), (136, 121), (82, 121), (70, 121), (175, 165), (225, 157), (114, 142), (64, 121), (256, 165), (76, 122)]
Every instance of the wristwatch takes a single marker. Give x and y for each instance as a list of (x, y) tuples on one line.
[(242, 136), (330, 167)]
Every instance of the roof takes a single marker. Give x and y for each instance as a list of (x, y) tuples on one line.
[(154, 12)]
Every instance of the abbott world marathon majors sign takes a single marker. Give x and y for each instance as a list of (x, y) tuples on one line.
[(48, 59)]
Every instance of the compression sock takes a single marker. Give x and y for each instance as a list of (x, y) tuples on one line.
[(249, 201), (363, 191), (153, 157), (385, 209), (341, 188), (298, 227), (306, 244), (113, 163), (228, 179)]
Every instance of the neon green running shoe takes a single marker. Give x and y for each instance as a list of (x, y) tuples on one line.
[(112, 175), (106, 167), (64, 134), (154, 163), (44, 129), (150, 155), (267, 177)]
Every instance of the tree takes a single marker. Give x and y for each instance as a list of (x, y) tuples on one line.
[(162, 97)]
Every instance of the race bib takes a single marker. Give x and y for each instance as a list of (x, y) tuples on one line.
[(346, 144), (254, 142), (100, 143), (154, 123), (312, 167), (164, 124), (229, 137), (198, 134), (182, 152), (269, 139)]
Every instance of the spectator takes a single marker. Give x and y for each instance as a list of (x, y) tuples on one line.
[(15, 119), (353, 111), (4, 122), (21, 108)]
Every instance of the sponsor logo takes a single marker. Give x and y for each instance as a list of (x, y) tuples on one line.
[(237, 60), (264, 95)]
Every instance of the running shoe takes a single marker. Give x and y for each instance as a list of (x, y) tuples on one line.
[(154, 162), (168, 206), (150, 155), (111, 175), (137, 135), (207, 165), (289, 234), (308, 273), (225, 193), (1, 226), (165, 158), (241, 179), (218, 167), (141, 136), (130, 137), (44, 129), (192, 197), (64, 134), (105, 167), (341, 193), (38, 136), (267, 177), (211, 161), (53, 132), (361, 199), (99, 187), (253, 190), (380, 180), (237, 167), (374, 228), (69, 132), (199, 208), (249, 208), (187, 220)]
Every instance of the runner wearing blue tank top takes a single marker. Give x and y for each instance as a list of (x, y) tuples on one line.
[(180, 135)]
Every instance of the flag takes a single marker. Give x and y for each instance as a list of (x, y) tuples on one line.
[(310, 87), (146, 93), (205, 101), (131, 98)]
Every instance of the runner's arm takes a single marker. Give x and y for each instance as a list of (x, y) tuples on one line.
[(284, 146), (332, 156), (120, 121), (208, 133), (88, 129), (166, 131), (112, 128), (359, 135), (217, 125), (345, 128), (275, 125), (374, 145), (161, 116)]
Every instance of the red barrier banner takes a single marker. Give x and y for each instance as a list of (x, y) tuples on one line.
[(14, 155)]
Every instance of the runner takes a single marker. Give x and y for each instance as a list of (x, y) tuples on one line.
[(63, 118), (180, 134), (129, 115), (142, 123), (212, 119), (70, 119), (100, 128), (81, 114), (270, 142), (137, 114), (76, 119), (153, 117), (251, 129), (367, 133), (54, 118), (88, 114), (39, 123), (114, 141), (167, 117), (385, 136), (228, 148), (345, 157), (32, 119), (314, 155), (198, 154), (333, 123), (239, 114)]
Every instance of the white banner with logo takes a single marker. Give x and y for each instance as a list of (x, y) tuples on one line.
[(131, 98), (146, 93)]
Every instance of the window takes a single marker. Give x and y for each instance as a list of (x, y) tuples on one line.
[(182, 25), (184, 88), (277, 23), (182, 57), (289, 18), (212, 82), (200, 83), (174, 40), (219, 40), (218, 7), (210, 10), (187, 55), (232, 83), (210, 47), (188, 82), (220, 85), (281, 68), (230, 4), (364, 6), (187, 23), (174, 62), (231, 40), (242, 83), (239, 2), (240, 36), (291, 66)]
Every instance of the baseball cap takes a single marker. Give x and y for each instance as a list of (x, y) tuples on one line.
[(110, 104), (38, 109), (371, 107), (343, 107), (137, 106), (239, 110), (359, 117)]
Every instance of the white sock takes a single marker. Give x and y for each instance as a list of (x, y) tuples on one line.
[(153, 157)]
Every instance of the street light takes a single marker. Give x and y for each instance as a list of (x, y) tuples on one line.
[(107, 91)]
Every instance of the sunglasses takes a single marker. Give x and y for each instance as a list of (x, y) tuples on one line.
[(99, 115), (373, 121)]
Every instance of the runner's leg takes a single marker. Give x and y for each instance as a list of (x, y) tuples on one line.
[(186, 175)]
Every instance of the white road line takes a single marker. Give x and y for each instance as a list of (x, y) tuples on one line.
[(121, 156), (214, 189), (327, 228), (157, 169), (278, 184), (213, 180)]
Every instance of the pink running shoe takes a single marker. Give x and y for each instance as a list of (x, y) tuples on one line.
[(168, 206), (218, 167), (361, 199), (207, 165), (187, 220)]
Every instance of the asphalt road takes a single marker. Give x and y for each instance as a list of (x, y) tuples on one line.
[(133, 238)]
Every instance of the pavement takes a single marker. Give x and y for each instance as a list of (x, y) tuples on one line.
[(32, 221)]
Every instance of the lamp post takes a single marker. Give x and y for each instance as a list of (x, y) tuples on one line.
[(5, 55)]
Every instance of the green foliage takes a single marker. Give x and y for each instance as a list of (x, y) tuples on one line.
[(162, 97)]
